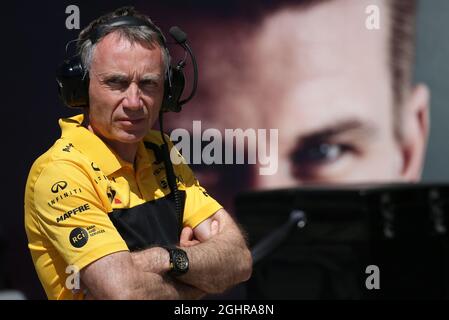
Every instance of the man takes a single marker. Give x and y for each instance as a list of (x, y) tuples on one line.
[(102, 190), (340, 93)]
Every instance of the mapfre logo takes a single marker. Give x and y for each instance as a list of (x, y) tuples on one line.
[(78, 237), (58, 186)]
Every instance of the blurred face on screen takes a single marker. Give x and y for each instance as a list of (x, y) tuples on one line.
[(320, 77)]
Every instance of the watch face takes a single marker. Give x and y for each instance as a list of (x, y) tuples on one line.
[(181, 261)]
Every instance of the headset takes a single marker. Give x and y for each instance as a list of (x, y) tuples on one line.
[(73, 77)]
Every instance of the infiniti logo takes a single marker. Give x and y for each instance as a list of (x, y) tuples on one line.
[(95, 167), (60, 185)]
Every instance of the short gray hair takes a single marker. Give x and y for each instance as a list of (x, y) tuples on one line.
[(134, 34)]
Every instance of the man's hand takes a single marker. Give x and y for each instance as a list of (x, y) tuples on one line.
[(188, 239), (218, 255)]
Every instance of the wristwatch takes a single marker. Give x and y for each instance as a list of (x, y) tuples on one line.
[(179, 262)]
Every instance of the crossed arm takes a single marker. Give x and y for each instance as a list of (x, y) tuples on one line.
[(218, 255)]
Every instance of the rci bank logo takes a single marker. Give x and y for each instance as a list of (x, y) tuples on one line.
[(60, 185), (78, 237)]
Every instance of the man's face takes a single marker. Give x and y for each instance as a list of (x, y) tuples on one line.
[(126, 89), (323, 79)]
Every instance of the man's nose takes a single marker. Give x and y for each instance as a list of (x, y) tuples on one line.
[(133, 99)]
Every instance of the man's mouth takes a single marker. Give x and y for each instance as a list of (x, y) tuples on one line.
[(131, 121)]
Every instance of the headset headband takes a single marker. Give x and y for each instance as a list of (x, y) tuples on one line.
[(128, 21)]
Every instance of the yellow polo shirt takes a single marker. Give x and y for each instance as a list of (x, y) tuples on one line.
[(79, 187)]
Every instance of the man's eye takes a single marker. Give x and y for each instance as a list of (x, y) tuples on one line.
[(117, 83), (148, 83), (319, 153)]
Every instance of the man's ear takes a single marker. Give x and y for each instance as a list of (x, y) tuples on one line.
[(415, 131)]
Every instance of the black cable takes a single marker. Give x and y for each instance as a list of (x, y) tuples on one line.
[(171, 178), (195, 75)]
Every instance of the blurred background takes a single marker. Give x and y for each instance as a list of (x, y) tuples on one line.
[(34, 43)]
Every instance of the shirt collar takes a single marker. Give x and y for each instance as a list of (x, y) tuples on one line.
[(94, 148)]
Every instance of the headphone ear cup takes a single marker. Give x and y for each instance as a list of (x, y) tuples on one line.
[(173, 93), (73, 83)]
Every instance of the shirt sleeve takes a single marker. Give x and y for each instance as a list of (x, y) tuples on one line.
[(199, 205), (72, 215)]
